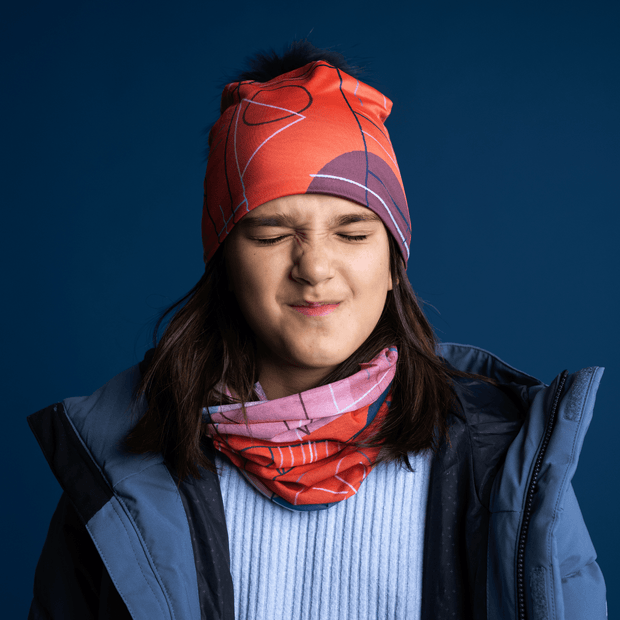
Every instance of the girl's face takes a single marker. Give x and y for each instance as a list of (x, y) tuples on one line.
[(311, 274)]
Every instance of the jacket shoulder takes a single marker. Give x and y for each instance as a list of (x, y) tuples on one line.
[(129, 503), (89, 430)]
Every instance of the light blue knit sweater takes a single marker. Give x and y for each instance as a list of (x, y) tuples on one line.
[(361, 559)]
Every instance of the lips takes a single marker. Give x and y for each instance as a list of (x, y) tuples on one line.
[(315, 308)]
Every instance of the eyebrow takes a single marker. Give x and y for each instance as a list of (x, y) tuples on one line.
[(286, 221)]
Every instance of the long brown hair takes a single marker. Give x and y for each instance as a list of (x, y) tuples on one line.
[(208, 345)]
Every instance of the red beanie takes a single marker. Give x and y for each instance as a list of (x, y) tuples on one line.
[(314, 130)]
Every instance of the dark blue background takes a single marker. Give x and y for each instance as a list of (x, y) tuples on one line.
[(507, 126)]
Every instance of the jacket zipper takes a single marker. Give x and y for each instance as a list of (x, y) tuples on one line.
[(529, 498)]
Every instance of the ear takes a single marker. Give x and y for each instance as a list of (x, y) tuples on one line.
[(390, 279)]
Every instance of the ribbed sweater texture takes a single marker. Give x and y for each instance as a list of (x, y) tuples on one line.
[(361, 559)]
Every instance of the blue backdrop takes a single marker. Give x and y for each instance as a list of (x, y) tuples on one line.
[(507, 126)]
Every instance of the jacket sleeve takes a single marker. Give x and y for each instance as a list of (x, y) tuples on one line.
[(71, 581), (583, 586)]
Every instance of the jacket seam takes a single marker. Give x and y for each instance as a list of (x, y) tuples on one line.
[(136, 473), (79, 436), (562, 490), (138, 561), (128, 515), (188, 533), (471, 468), (528, 478), (110, 574), (576, 573), (143, 543), (550, 587)]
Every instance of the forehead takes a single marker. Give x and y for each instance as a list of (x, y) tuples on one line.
[(308, 208)]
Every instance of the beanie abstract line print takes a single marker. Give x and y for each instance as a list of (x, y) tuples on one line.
[(314, 130)]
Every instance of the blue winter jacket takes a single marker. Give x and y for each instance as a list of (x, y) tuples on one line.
[(504, 536)]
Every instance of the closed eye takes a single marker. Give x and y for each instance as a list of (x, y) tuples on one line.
[(270, 241), (274, 240), (354, 237)]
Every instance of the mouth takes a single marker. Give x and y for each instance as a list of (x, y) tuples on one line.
[(315, 308)]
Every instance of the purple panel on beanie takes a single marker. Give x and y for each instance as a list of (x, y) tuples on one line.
[(366, 179)]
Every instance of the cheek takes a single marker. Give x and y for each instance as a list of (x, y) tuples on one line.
[(371, 274), (255, 286)]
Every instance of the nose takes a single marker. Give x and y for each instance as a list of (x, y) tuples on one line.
[(312, 263)]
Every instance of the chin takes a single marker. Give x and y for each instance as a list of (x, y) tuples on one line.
[(317, 359)]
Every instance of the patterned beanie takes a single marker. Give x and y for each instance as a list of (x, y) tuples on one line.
[(314, 130)]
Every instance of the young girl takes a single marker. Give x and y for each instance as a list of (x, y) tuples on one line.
[(297, 444)]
